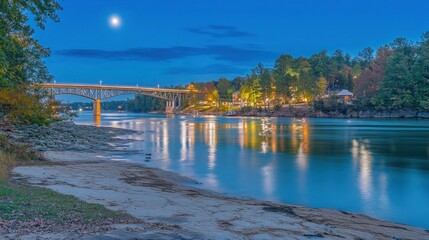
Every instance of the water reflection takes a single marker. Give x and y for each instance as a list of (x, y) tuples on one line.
[(363, 161), (187, 140), (378, 167), (300, 138), (363, 158), (97, 120), (211, 141), (268, 179)]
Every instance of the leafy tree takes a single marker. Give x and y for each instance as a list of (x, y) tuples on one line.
[(237, 83), (265, 81), (142, 103), (321, 87), (212, 94), (21, 56), (225, 89), (398, 88), (321, 64), (251, 90), (21, 60), (24, 108), (368, 82), (283, 75), (420, 74), (366, 56)]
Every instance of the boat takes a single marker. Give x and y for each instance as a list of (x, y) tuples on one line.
[(231, 113)]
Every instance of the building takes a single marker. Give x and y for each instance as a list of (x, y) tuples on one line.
[(236, 97), (345, 96)]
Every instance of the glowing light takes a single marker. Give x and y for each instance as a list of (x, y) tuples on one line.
[(115, 21)]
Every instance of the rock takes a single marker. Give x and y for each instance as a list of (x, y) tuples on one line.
[(423, 115), (67, 136)]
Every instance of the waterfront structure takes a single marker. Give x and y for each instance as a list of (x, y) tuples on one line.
[(97, 93)]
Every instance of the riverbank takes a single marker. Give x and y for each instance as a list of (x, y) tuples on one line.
[(31, 212), (308, 111), (170, 206)]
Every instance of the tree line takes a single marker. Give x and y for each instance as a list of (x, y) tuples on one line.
[(395, 76)]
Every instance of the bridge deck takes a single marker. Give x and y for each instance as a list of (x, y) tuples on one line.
[(109, 87)]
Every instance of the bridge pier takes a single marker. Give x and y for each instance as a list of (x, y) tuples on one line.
[(169, 107), (96, 106)]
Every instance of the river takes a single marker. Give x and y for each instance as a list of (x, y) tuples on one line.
[(371, 166)]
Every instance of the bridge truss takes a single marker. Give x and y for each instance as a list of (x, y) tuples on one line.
[(97, 93)]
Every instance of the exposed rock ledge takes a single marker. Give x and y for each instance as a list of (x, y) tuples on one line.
[(181, 211)]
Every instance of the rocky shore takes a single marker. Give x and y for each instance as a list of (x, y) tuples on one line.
[(169, 205), (67, 136), (310, 112)]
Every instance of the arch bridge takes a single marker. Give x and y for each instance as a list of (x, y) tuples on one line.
[(174, 97)]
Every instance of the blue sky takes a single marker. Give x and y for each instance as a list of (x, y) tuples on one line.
[(176, 42)]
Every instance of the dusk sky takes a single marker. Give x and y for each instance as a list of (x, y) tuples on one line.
[(176, 42)]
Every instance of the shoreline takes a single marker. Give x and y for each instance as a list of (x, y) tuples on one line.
[(191, 212), (306, 111)]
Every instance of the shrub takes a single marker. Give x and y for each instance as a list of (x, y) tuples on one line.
[(246, 109), (22, 107)]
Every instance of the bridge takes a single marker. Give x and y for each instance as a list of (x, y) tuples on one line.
[(173, 97)]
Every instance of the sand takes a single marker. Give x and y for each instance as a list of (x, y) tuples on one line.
[(174, 207)]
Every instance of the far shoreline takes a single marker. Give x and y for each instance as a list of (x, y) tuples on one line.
[(297, 113)]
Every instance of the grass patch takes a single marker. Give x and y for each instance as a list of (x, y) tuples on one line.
[(7, 162), (24, 203), (12, 154)]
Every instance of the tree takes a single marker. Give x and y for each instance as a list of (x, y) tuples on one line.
[(397, 89), (304, 84), (251, 90), (225, 89), (420, 74), (321, 64), (237, 83), (265, 81), (21, 58), (368, 82), (321, 87), (212, 94), (324, 66), (283, 76), (366, 56), (142, 103)]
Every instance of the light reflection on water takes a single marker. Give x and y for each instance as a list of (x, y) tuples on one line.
[(375, 167)]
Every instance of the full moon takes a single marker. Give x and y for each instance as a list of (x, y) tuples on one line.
[(115, 21)]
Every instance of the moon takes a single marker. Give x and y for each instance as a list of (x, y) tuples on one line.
[(115, 21)]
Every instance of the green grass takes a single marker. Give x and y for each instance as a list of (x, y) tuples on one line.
[(7, 162), (20, 201), (23, 203)]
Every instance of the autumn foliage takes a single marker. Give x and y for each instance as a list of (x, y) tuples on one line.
[(22, 107), (21, 62)]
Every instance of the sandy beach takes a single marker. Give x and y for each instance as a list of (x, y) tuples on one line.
[(175, 207)]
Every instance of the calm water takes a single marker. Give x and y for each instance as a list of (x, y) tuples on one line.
[(376, 167)]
